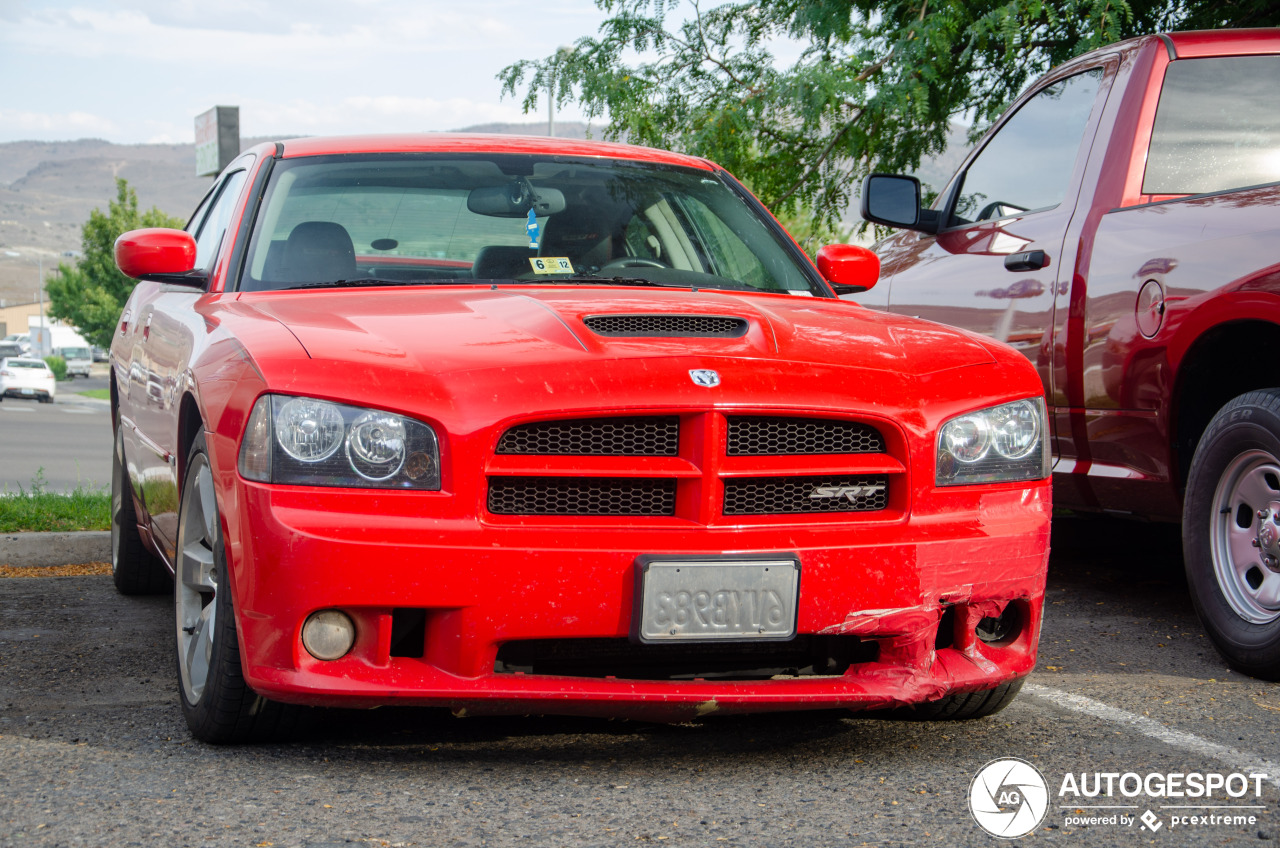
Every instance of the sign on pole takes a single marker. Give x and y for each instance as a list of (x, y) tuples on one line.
[(217, 139)]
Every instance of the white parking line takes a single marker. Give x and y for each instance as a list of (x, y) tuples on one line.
[(1236, 759), (9, 407)]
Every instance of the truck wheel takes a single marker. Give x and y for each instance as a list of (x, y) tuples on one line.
[(959, 707), (134, 569), (1231, 533), (218, 704)]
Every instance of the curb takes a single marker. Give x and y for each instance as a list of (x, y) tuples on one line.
[(40, 550)]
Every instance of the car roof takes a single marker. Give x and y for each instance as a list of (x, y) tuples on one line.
[(484, 143), (1225, 42)]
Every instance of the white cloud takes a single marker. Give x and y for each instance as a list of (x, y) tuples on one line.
[(43, 125), (141, 70)]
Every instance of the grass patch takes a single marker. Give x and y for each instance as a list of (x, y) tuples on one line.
[(34, 510), (100, 394)]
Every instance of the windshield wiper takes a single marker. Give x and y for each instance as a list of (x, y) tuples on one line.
[(365, 281), (592, 279)]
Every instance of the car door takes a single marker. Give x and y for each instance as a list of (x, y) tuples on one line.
[(1003, 221), (163, 351)]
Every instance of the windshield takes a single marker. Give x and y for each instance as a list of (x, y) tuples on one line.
[(75, 353), (485, 219)]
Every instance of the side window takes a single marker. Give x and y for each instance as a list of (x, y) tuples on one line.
[(728, 254), (1027, 166), (197, 217), (210, 231), (1217, 126)]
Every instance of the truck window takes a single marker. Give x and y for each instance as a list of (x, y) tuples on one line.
[(1027, 166), (1217, 126)]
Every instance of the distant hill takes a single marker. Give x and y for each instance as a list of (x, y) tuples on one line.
[(48, 189)]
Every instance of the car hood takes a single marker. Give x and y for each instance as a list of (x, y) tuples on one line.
[(439, 331)]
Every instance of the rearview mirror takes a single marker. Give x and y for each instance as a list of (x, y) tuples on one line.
[(514, 200)]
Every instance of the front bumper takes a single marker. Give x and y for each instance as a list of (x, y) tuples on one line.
[(910, 593)]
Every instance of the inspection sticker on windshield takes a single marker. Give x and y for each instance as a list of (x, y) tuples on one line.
[(551, 264)]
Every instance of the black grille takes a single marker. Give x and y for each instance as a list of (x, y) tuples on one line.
[(759, 435), (581, 496), (715, 326), (648, 436), (803, 656), (782, 495)]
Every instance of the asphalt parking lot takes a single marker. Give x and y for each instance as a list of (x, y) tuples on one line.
[(67, 444), (95, 752)]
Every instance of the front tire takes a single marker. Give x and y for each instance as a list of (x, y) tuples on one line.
[(218, 704), (134, 569), (1231, 533)]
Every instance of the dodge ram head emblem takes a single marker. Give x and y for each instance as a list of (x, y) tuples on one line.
[(850, 492), (705, 377)]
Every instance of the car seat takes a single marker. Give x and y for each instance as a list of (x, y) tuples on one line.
[(318, 252)]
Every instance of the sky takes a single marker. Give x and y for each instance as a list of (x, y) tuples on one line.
[(139, 71)]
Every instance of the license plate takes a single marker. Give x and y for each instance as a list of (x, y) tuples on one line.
[(28, 391), (717, 600)]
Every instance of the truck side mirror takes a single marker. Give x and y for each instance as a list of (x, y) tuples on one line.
[(894, 201)]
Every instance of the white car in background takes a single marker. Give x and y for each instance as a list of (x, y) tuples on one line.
[(27, 378), (79, 360), (23, 339)]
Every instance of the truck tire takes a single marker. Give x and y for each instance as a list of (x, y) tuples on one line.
[(1231, 533)]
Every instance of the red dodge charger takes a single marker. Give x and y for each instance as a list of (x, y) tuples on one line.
[(519, 425)]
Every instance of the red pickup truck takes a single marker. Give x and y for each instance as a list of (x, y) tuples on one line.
[(1120, 225)]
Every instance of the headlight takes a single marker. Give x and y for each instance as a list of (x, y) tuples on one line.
[(308, 442), (1002, 444)]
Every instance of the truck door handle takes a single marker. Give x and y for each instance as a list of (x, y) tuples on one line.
[(1031, 260)]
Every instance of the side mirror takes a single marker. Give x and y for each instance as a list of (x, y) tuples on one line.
[(849, 269), (160, 253), (895, 202)]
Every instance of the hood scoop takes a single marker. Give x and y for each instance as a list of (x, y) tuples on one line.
[(667, 326)]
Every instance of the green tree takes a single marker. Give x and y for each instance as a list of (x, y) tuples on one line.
[(91, 294), (876, 87)]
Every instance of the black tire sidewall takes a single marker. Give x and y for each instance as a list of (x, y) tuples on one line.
[(134, 568), (119, 485), (1250, 422)]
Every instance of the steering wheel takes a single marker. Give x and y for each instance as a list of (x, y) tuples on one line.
[(631, 262)]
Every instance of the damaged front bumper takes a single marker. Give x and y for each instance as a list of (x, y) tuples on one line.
[(529, 620)]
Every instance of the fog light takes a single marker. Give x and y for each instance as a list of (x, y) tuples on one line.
[(1002, 630), (328, 634)]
